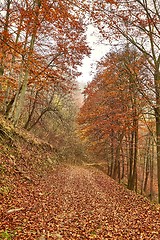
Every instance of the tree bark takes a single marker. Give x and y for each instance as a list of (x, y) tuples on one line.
[(19, 101), (157, 113)]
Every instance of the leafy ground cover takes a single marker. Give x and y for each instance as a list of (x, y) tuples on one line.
[(74, 202), (41, 199)]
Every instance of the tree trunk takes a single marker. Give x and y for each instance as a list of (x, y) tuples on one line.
[(21, 98), (158, 153), (132, 179), (143, 174), (157, 113), (112, 156), (19, 101), (147, 165), (135, 154), (151, 170), (116, 172), (123, 163), (130, 161), (31, 111)]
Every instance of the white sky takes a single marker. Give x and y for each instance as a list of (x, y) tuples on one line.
[(88, 67)]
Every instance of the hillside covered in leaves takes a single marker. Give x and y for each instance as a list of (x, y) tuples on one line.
[(41, 198), (50, 187)]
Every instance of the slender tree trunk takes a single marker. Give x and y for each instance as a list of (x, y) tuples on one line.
[(157, 113), (143, 174), (130, 161), (116, 172), (132, 179), (32, 108), (38, 119), (151, 170), (135, 156), (123, 163), (147, 165), (127, 144), (112, 156), (8, 103), (158, 153), (145, 155), (21, 98), (11, 108), (19, 101)]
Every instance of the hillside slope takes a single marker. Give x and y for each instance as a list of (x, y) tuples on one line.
[(41, 199), (75, 202)]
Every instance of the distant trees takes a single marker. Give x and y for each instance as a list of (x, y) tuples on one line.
[(111, 119), (137, 23)]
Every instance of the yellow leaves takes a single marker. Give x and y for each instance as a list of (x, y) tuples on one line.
[(7, 82)]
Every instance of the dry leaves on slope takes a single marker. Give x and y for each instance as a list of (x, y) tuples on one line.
[(76, 203)]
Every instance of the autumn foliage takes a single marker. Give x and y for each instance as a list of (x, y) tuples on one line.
[(135, 23), (42, 43), (49, 186), (113, 118)]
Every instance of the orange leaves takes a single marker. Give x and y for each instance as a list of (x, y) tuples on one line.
[(108, 100), (58, 23), (42, 43), (111, 1), (75, 202), (7, 82)]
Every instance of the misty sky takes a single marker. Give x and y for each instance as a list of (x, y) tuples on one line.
[(98, 51)]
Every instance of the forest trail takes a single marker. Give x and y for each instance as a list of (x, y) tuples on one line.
[(76, 202)]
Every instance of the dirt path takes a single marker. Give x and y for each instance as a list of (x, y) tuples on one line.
[(80, 203)]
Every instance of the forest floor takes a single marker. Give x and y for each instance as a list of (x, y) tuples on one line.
[(75, 202), (41, 198)]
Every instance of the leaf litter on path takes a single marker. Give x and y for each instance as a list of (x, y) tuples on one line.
[(75, 202)]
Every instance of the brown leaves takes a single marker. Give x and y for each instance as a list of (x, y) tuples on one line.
[(77, 203)]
